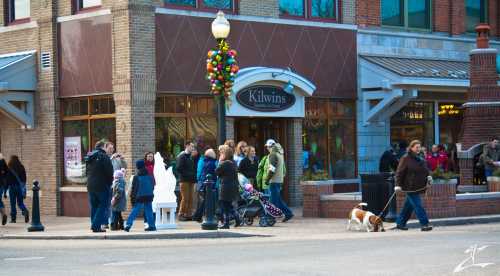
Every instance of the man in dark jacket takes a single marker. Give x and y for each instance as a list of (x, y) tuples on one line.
[(491, 156), (388, 161), (186, 171), (99, 180)]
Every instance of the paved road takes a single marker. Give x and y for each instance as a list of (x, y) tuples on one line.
[(391, 253)]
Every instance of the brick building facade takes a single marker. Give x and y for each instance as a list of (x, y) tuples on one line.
[(107, 80)]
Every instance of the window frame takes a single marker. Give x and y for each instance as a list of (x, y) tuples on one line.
[(199, 6), (308, 15), (188, 114), (328, 116), (77, 7), (486, 16), (9, 14), (89, 117), (405, 19)]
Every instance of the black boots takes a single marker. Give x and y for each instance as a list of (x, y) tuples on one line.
[(26, 215)]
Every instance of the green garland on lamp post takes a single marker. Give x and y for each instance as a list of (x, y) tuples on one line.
[(221, 72)]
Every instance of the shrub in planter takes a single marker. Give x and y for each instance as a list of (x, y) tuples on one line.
[(309, 175), (440, 176)]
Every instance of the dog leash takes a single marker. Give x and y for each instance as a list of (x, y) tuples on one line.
[(394, 193)]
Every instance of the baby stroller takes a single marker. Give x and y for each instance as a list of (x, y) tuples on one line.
[(254, 204)]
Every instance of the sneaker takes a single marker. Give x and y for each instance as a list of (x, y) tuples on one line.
[(4, 219), (287, 218), (404, 228), (426, 228), (150, 229), (12, 220), (98, 230), (126, 229), (225, 226), (200, 220), (184, 218)]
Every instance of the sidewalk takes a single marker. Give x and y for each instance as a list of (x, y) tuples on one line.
[(66, 228)]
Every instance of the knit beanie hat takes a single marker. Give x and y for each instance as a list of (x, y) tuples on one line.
[(139, 164)]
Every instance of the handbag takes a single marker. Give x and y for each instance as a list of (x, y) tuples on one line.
[(22, 185)]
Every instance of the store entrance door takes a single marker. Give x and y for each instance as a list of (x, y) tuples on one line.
[(255, 131)]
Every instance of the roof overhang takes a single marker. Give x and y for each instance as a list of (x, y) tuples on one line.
[(18, 81), (393, 91), (251, 75)]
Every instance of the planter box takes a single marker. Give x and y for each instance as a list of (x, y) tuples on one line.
[(493, 184), (313, 190), (438, 181)]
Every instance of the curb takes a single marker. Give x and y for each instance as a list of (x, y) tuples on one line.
[(458, 221), (134, 236)]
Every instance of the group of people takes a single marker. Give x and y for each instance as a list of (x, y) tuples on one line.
[(13, 183), (108, 191), (193, 169), (106, 188), (436, 159)]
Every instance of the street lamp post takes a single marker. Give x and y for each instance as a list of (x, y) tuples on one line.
[(221, 71)]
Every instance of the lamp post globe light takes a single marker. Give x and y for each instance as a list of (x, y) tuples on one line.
[(221, 71)]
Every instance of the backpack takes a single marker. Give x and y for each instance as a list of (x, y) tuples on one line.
[(146, 187)]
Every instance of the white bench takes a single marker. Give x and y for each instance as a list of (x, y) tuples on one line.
[(165, 215)]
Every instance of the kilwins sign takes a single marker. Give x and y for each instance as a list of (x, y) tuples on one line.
[(265, 98)]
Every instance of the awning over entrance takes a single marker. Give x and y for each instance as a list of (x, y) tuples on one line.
[(269, 92), (389, 83), (18, 82)]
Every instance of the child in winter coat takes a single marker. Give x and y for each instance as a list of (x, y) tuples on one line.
[(119, 200), (141, 197)]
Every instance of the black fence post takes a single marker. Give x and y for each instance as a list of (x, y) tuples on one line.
[(36, 225)]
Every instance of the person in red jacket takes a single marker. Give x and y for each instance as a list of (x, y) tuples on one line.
[(437, 159)]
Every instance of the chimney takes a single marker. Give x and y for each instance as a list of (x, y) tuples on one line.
[(483, 65), (482, 109)]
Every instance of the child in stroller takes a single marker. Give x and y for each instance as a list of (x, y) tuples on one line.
[(254, 204)]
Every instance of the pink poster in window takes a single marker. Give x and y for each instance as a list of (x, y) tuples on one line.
[(73, 166)]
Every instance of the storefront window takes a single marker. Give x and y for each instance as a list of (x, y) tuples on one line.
[(182, 118), (323, 8), (450, 123), (81, 131), (415, 14), (292, 7), (218, 4), (476, 12), (191, 3), (329, 138), (414, 121)]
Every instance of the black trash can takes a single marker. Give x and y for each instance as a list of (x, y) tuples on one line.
[(376, 189)]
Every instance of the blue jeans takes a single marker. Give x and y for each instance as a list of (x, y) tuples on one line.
[(412, 203), (148, 214), (16, 196), (98, 202), (275, 189)]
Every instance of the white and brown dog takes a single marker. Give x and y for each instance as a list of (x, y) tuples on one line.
[(365, 219)]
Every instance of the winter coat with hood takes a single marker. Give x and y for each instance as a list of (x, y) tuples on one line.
[(208, 167), (99, 171), (119, 195), (412, 173), (248, 167), (437, 160), (142, 185), (276, 169), (4, 173), (228, 176), (262, 182)]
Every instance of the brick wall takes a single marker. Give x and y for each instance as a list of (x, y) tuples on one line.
[(294, 161), (269, 8), (337, 208), (478, 206), (368, 13), (439, 201), (312, 192), (441, 15), (348, 11), (37, 148)]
